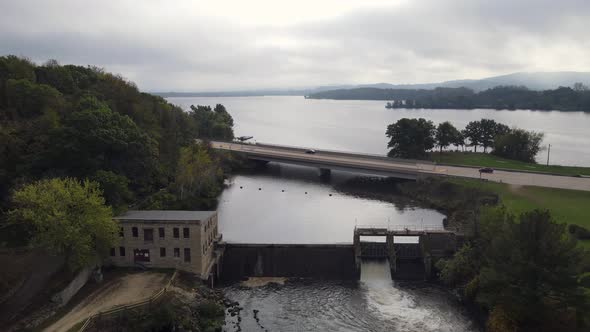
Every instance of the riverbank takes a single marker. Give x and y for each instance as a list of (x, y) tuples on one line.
[(460, 199), (459, 203), (489, 160)]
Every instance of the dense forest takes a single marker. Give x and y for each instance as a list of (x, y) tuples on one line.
[(84, 123), (576, 98)]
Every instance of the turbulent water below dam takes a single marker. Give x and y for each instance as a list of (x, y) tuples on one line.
[(375, 303)]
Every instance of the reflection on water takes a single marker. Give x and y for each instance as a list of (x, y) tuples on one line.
[(289, 204), (375, 303)]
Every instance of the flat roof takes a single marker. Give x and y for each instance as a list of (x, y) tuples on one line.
[(165, 215)]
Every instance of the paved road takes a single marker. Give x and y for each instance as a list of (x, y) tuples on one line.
[(382, 164)]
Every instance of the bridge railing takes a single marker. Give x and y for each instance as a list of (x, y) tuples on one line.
[(401, 228), (347, 153)]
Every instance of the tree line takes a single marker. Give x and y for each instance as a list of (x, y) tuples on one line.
[(74, 138), (414, 138), (576, 98)]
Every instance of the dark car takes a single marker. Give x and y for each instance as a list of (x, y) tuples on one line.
[(310, 151), (486, 170)]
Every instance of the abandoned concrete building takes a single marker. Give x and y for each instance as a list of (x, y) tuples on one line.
[(184, 240)]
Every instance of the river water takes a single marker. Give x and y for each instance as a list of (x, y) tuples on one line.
[(359, 126), (375, 304), (290, 204)]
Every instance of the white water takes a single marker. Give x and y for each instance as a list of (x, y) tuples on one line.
[(402, 307)]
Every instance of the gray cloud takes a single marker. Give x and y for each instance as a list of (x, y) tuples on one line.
[(184, 48)]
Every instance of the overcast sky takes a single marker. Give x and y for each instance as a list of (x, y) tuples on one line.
[(178, 45)]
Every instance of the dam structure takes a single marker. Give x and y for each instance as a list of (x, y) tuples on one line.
[(411, 252), (408, 261)]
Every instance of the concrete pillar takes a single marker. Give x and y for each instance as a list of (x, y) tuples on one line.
[(356, 241), (391, 253), (427, 267), (426, 256)]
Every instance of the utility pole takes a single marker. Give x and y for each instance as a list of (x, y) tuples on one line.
[(548, 153)]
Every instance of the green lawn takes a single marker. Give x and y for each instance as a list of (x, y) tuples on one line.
[(568, 206), (489, 160)]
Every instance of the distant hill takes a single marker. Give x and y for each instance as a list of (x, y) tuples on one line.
[(533, 81)]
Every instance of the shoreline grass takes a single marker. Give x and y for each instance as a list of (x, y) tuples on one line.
[(566, 206), (489, 160)]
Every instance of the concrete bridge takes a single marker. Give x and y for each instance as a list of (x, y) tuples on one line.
[(399, 168)]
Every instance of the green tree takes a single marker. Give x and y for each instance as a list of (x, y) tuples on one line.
[(115, 189), (67, 218), (488, 133), (519, 144), (473, 132), (459, 140), (410, 138), (446, 134), (197, 173), (530, 269), (213, 124), (99, 139)]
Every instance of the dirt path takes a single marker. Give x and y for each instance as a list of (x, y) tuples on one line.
[(126, 289)]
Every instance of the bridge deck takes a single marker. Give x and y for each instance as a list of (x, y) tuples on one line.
[(408, 169)]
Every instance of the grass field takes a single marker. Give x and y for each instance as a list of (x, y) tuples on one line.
[(568, 206), (489, 160)]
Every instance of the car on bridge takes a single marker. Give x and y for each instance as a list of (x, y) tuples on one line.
[(310, 151), (486, 170)]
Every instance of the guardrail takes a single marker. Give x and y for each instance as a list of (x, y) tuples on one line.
[(130, 306), (396, 228), (346, 153)]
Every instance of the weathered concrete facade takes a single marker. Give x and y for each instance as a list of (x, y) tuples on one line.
[(168, 239)]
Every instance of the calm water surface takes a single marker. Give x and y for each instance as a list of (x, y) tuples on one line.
[(290, 204), (359, 126)]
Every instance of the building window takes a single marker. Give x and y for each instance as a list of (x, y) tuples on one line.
[(187, 255), (134, 231), (148, 235), (185, 233), (176, 233), (162, 252), (121, 232), (161, 232), (141, 255), (112, 252), (176, 252), (121, 251)]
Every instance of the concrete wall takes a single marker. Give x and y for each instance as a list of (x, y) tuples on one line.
[(324, 261), (63, 297)]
